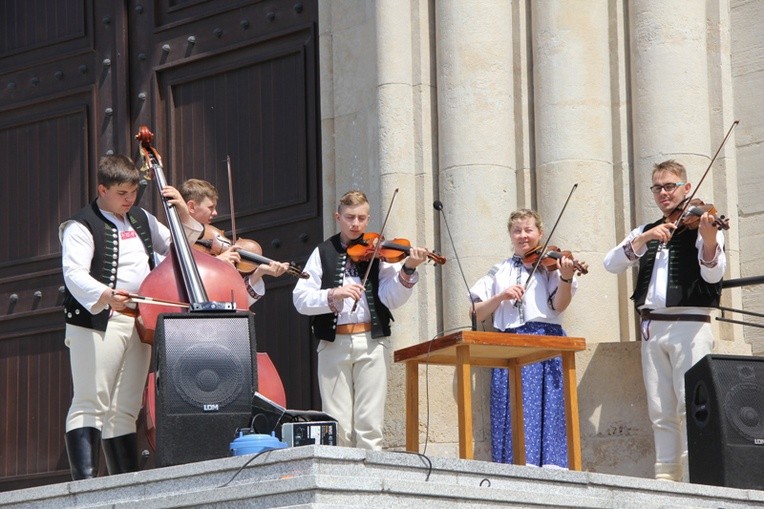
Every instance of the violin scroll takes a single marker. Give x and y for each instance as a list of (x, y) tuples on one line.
[(690, 219)]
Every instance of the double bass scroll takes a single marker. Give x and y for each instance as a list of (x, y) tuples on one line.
[(186, 275)]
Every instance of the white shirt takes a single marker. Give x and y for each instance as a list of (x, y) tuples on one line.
[(617, 260), (310, 299), (78, 249), (536, 301)]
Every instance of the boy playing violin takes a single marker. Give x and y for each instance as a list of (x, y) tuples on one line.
[(678, 284), (354, 349), (202, 199), (523, 306)]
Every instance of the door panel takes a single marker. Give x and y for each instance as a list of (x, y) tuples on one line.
[(210, 79)]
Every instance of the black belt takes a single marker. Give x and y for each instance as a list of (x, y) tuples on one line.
[(646, 314)]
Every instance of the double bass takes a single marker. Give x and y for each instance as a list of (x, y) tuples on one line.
[(187, 275)]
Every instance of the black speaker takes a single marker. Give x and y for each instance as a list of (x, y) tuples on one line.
[(725, 421), (206, 374)]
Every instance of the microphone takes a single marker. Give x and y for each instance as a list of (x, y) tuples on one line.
[(438, 205)]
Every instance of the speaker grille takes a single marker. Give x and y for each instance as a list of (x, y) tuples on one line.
[(743, 406), (206, 375), (725, 421), (209, 362)]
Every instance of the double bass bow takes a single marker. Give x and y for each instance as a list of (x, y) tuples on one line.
[(206, 283)]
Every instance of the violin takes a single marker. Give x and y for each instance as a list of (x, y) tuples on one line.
[(213, 242), (550, 260), (391, 251), (690, 219)]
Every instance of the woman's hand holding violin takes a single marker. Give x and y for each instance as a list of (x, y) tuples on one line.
[(567, 267)]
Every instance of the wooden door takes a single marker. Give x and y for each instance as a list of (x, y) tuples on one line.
[(211, 79)]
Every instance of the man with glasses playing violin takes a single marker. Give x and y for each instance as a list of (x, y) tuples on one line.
[(678, 284), (352, 322), (201, 198)]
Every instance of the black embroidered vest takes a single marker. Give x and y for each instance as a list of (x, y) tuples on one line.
[(333, 262), (686, 287), (104, 265)]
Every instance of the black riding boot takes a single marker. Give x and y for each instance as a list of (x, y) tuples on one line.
[(83, 449), (121, 454)]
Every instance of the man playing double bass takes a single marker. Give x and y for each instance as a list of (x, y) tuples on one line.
[(109, 245)]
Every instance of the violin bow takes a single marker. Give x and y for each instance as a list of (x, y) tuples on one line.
[(376, 247), (549, 237), (230, 200), (681, 217)]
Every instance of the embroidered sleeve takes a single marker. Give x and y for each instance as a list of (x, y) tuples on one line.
[(251, 290), (713, 261), (408, 280), (628, 250), (334, 305)]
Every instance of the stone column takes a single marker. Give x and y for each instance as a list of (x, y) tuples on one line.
[(405, 145), (681, 109), (477, 181), (670, 95), (574, 145)]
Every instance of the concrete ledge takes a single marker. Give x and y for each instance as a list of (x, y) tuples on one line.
[(323, 476)]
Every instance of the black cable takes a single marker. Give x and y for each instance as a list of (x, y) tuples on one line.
[(250, 460), (424, 457)]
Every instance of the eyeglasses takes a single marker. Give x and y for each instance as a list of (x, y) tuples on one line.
[(670, 187)]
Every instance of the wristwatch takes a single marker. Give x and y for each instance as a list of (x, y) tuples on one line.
[(408, 270)]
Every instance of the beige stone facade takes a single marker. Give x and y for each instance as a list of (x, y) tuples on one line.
[(491, 105)]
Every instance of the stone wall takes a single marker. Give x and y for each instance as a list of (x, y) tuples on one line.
[(747, 18), (493, 105)]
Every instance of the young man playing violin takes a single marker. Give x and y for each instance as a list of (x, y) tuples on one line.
[(678, 284), (202, 199), (352, 322), (522, 306), (108, 249)]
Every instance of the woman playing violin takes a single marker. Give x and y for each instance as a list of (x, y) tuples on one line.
[(679, 281), (354, 349), (201, 199), (523, 306)]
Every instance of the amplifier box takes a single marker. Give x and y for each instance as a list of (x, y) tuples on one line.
[(295, 434)]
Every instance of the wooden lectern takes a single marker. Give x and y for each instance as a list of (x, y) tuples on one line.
[(496, 350)]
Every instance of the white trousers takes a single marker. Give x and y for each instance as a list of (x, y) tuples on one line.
[(109, 371), (352, 378), (670, 350)]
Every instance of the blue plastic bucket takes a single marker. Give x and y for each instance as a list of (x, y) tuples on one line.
[(253, 443)]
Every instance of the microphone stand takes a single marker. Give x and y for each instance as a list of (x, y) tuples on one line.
[(438, 205)]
